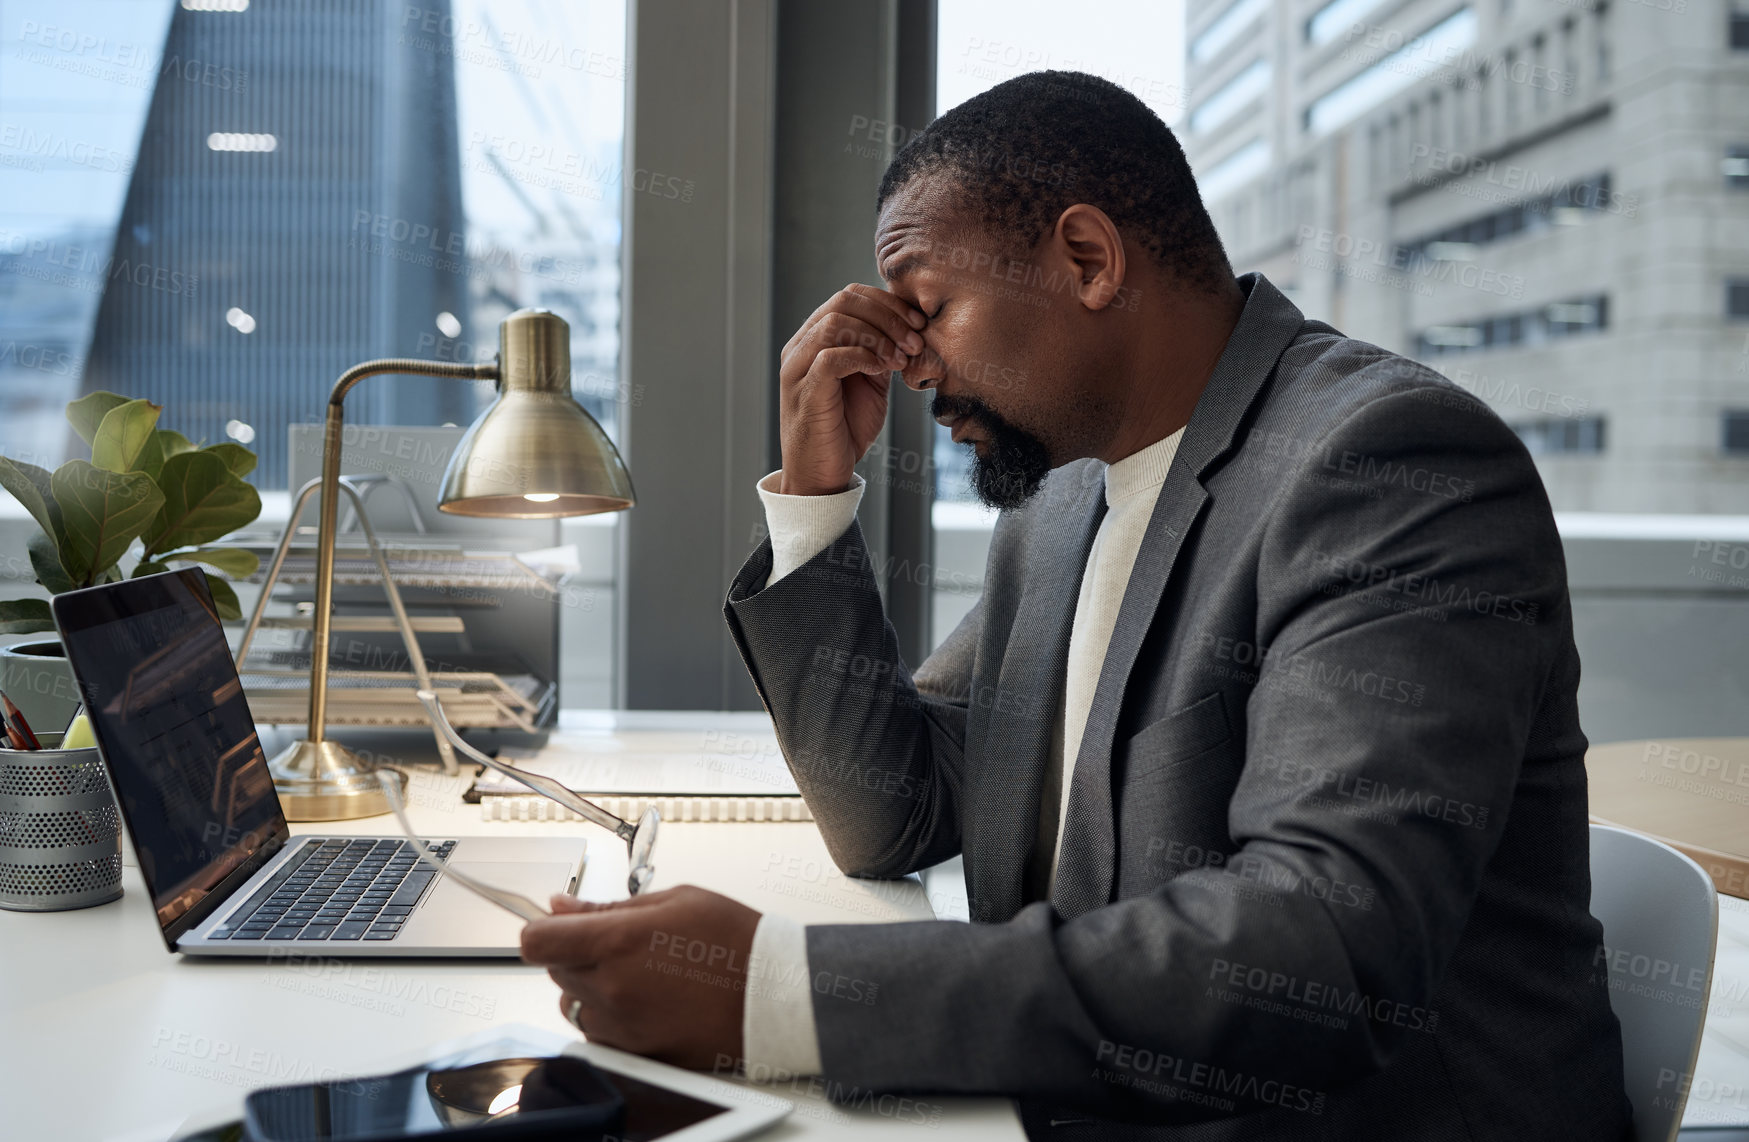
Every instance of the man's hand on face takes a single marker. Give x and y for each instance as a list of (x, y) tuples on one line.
[(662, 975), (833, 384)]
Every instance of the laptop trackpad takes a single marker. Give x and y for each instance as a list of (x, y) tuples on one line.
[(453, 916)]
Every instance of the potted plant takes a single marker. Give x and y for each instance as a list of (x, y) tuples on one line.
[(144, 486)]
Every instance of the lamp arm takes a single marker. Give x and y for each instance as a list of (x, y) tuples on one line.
[(326, 528)]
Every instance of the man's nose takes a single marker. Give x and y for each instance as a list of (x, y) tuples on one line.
[(925, 371)]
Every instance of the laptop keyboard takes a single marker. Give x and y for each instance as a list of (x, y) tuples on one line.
[(337, 889)]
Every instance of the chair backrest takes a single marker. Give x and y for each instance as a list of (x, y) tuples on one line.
[(1660, 917)]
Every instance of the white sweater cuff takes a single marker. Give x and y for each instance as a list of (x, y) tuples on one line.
[(803, 526), (777, 1022)]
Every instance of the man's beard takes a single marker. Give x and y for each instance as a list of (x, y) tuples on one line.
[(1014, 461)]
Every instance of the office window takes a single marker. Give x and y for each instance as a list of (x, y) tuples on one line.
[(1735, 167), (1337, 19), (1570, 202), (1740, 31), (285, 210), (69, 129), (1539, 91), (1735, 423), (222, 206), (1460, 100), (1737, 299), (1231, 97), (1238, 168), (1420, 57), (1569, 60), (1558, 435), (1580, 315), (1509, 90), (1226, 28)]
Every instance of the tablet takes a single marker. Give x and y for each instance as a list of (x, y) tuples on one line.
[(582, 1092)]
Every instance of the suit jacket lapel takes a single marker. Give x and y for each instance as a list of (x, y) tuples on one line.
[(1002, 817), (1266, 327)]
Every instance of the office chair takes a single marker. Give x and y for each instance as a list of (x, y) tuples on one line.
[(1660, 917)]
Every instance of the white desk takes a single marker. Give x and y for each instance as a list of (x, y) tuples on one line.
[(106, 1037)]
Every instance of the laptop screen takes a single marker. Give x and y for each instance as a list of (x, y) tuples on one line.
[(168, 712)]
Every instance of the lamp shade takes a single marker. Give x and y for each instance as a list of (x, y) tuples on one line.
[(535, 453)]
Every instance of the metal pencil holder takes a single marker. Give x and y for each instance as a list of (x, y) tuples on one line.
[(60, 831)]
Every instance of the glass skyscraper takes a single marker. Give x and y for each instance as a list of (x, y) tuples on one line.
[(295, 208)]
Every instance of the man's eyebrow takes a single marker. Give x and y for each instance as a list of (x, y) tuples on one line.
[(903, 267)]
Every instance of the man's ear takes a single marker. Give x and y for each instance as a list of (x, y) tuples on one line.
[(1096, 250)]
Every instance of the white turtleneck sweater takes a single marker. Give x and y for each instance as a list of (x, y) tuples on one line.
[(778, 1021)]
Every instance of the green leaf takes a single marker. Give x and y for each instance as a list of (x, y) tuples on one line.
[(174, 443), (123, 435), (202, 502), (30, 486), (233, 561), (164, 444), (45, 560), (237, 458), (224, 598), (148, 567), (86, 414), (25, 616), (102, 512)]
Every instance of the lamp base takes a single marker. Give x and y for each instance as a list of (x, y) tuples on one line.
[(325, 781)]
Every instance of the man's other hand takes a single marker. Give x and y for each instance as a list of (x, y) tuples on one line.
[(833, 380), (662, 975)]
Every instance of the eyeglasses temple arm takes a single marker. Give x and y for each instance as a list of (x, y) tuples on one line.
[(512, 902), (545, 786)]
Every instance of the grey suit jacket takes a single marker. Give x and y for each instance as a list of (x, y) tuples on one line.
[(1324, 870)]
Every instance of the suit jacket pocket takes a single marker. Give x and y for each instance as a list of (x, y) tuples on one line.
[(1179, 736)]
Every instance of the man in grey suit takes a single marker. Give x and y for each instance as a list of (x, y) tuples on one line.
[(1261, 745)]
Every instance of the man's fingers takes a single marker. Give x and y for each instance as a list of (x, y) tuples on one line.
[(848, 360), (563, 903), (578, 939), (863, 321), (908, 313), (839, 330), (883, 313), (579, 983), (599, 1025), (886, 313), (583, 932), (904, 310)]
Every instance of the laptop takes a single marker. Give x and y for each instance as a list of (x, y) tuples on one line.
[(225, 874)]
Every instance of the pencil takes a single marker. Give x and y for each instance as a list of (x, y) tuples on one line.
[(14, 739), (15, 724)]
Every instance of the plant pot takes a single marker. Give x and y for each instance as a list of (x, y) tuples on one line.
[(38, 678)]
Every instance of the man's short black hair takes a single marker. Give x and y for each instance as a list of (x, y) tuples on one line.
[(1027, 149)]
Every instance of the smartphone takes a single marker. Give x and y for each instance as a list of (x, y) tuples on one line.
[(503, 1100)]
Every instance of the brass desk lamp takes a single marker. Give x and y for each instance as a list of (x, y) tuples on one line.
[(534, 454)]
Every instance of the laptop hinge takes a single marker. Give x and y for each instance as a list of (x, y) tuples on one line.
[(226, 889)]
